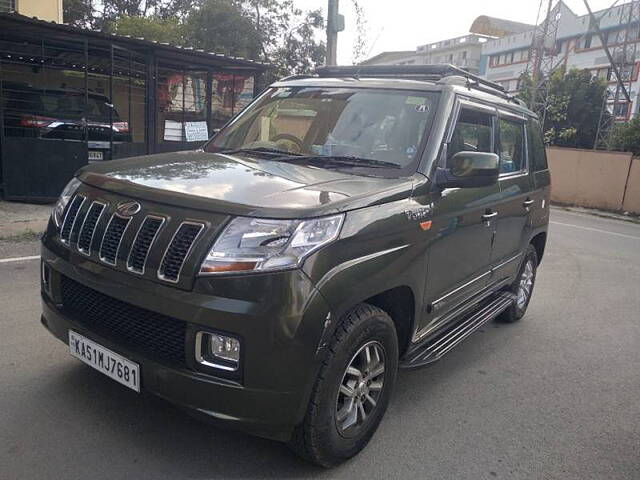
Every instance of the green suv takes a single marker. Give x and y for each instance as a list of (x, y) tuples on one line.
[(343, 226)]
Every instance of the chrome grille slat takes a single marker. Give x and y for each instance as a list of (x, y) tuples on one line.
[(144, 240), (178, 251), (70, 218), (112, 238), (88, 228)]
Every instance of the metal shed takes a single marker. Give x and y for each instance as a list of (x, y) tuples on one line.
[(70, 96)]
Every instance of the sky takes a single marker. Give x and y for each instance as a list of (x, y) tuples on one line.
[(405, 24)]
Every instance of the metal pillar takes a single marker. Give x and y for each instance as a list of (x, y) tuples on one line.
[(332, 32), (622, 56), (542, 57)]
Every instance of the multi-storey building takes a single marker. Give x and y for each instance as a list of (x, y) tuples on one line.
[(49, 10), (578, 45), (464, 51)]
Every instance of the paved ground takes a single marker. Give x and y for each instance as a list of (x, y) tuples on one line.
[(556, 396), (21, 220)]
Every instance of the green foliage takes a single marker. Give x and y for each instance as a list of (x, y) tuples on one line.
[(573, 107), (626, 136), (273, 31), (222, 26), (168, 30)]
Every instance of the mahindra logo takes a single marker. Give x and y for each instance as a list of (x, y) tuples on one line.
[(128, 209)]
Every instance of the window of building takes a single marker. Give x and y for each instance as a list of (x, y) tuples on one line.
[(7, 6), (511, 146), (473, 133)]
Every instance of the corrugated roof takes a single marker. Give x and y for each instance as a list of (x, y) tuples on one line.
[(498, 27), (210, 57)]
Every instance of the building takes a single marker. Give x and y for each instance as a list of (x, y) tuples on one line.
[(464, 51), (69, 96), (578, 45), (49, 10), (403, 57)]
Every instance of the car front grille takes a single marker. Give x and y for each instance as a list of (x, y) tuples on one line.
[(142, 244), (88, 228), (178, 250), (70, 218), (154, 245), (153, 334), (112, 238)]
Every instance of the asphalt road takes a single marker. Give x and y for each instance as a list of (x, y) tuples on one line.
[(556, 396)]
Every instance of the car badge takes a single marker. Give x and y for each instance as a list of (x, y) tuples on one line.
[(128, 209)]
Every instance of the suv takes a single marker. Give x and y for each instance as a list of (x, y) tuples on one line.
[(342, 226), (63, 115)]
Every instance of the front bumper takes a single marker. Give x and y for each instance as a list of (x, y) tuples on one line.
[(279, 318)]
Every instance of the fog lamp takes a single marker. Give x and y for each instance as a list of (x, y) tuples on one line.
[(217, 351)]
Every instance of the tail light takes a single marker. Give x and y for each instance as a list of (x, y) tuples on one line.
[(121, 127), (36, 121)]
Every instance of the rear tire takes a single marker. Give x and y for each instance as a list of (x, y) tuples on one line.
[(352, 390), (522, 287)]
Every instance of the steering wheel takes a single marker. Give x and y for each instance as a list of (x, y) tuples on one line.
[(289, 139)]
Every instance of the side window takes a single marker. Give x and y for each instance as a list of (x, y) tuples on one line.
[(537, 152), (473, 133), (512, 157)]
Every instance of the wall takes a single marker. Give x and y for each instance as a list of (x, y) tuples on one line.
[(49, 10), (632, 197), (587, 178)]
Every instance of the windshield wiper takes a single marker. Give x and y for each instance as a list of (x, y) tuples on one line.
[(266, 150), (339, 160)]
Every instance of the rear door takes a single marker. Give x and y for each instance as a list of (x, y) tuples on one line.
[(463, 221), (516, 196)]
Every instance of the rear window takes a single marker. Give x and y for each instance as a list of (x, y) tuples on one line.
[(537, 152)]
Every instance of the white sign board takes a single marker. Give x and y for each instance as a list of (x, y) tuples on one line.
[(196, 131)]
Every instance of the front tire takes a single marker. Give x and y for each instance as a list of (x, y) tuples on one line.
[(353, 388), (522, 287)]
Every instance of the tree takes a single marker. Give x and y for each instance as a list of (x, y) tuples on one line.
[(287, 35), (167, 30), (573, 107), (273, 31), (626, 136), (222, 26)]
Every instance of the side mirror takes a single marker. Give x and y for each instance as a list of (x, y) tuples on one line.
[(469, 170)]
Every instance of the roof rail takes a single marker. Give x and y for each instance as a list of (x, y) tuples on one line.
[(433, 72)]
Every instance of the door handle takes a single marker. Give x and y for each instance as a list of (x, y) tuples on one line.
[(527, 203), (488, 216)]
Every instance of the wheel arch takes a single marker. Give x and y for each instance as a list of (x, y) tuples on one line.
[(399, 303), (539, 242)]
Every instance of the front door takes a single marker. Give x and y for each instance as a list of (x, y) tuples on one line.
[(463, 223), (516, 198)]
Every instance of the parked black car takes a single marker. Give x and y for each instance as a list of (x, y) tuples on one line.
[(342, 226), (63, 115)]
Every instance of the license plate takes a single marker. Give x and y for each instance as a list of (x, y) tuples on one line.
[(105, 361), (95, 156)]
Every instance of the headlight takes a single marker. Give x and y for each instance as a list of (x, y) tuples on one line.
[(254, 244), (62, 202)]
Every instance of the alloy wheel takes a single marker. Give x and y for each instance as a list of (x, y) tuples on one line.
[(526, 285), (360, 388)]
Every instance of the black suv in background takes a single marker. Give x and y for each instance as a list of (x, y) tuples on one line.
[(342, 226), (63, 115)]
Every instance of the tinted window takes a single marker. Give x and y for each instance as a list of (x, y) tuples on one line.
[(473, 133), (537, 152), (512, 158)]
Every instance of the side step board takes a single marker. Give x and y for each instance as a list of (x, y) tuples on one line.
[(436, 349)]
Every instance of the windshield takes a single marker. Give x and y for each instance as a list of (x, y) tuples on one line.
[(374, 124)]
